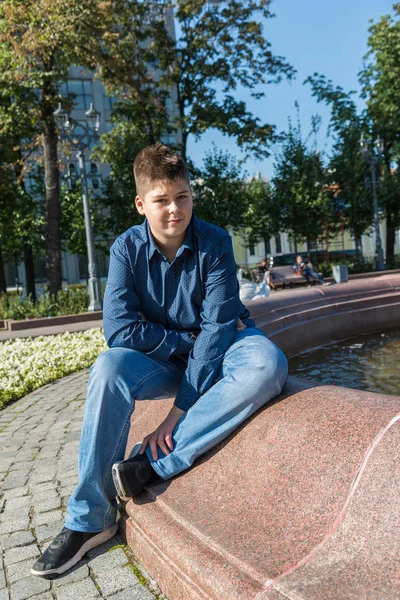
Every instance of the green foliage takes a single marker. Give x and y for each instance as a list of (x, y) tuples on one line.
[(262, 217), (347, 169), (300, 188), (220, 46), (219, 190), (354, 265), (119, 148), (380, 80), (65, 302)]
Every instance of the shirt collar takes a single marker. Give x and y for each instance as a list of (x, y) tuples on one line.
[(187, 244)]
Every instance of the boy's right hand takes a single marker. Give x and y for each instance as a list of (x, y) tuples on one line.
[(162, 436)]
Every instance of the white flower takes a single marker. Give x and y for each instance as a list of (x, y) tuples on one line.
[(26, 364)]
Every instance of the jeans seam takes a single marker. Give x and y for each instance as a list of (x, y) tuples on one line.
[(126, 426)]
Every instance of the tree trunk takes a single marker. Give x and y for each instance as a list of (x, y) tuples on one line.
[(29, 270), (390, 241), (53, 207), (3, 283), (357, 243)]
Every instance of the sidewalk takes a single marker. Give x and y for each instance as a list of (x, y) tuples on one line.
[(39, 437)]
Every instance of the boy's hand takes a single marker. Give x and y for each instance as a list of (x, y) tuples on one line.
[(162, 436), (241, 325)]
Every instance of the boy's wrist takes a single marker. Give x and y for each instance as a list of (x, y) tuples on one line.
[(176, 411)]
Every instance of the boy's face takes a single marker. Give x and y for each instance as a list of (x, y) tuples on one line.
[(168, 208)]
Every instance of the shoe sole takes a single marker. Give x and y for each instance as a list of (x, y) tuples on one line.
[(95, 541), (122, 493)]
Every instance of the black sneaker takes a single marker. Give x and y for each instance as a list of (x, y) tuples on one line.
[(67, 549), (132, 475)]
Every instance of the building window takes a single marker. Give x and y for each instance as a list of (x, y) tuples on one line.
[(278, 244), (168, 138), (82, 91), (252, 250), (267, 246)]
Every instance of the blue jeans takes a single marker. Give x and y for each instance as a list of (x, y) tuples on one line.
[(253, 371), (307, 271)]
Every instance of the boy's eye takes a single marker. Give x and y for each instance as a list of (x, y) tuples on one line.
[(182, 197)]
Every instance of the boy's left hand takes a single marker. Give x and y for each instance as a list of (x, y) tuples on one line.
[(162, 436)]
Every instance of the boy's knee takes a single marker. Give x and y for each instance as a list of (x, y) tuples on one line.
[(270, 363), (107, 365)]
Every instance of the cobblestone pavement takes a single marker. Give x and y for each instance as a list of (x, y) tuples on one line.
[(39, 437)]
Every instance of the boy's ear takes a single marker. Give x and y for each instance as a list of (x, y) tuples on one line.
[(139, 205)]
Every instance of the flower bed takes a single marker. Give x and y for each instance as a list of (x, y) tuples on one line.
[(27, 364)]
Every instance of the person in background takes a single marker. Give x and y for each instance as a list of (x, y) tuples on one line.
[(305, 269)]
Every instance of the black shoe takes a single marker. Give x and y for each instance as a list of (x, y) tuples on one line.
[(132, 475), (67, 549)]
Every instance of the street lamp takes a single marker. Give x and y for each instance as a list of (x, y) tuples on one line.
[(82, 142), (372, 159)]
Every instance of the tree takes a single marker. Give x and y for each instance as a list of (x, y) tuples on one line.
[(221, 46), (219, 190), (262, 218), (346, 169), (300, 190), (39, 40), (380, 80)]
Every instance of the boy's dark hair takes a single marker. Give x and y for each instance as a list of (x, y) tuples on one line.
[(155, 164)]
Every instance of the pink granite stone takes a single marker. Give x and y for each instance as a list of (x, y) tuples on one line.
[(241, 523), (360, 556)]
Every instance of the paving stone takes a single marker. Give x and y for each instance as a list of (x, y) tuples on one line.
[(2, 579), (112, 559), (19, 570), (28, 587), (23, 538), (82, 589), (4, 595), (14, 515), (67, 491), (15, 493), (100, 550), (48, 504), (17, 503), (80, 571), (139, 592), (15, 555), (39, 497), (37, 488), (47, 518), (116, 580), (42, 476), (45, 596), (12, 482), (10, 526)]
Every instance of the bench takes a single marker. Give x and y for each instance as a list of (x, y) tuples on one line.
[(285, 276)]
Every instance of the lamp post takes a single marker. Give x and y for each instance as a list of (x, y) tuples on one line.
[(372, 159), (83, 141)]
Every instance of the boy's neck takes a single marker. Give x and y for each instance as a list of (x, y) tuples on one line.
[(170, 247)]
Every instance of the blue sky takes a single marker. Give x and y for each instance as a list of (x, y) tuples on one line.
[(321, 36)]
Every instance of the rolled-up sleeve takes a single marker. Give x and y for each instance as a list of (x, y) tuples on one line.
[(220, 311), (124, 324)]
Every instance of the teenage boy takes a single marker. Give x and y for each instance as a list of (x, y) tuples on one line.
[(174, 324)]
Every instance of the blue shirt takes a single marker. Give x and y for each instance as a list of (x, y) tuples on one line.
[(152, 305)]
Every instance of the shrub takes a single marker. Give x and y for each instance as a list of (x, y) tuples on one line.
[(66, 302), (27, 364)]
